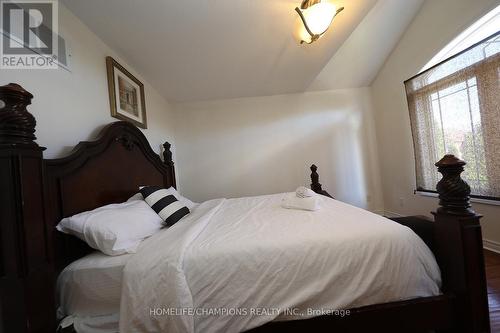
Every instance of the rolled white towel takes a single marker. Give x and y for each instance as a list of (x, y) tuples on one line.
[(304, 192), (291, 201)]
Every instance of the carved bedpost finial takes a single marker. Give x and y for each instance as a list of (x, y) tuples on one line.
[(167, 154), (315, 185), (453, 190), (17, 125)]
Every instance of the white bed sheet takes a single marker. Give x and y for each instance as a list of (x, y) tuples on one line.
[(249, 253), (89, 291)]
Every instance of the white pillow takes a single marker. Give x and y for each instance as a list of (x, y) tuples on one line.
[(137, 196), (170, 191), (114, 229)]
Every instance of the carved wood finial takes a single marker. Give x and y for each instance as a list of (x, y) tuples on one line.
[(454, 192), (17, 125), (167, 154), (315, 185)]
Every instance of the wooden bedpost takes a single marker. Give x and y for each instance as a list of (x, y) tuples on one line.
[(167, 159), (26, 274), (459, 248), (315, 185)]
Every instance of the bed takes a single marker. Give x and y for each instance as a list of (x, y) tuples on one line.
[(445, 291), (214, 259), (89, 292)]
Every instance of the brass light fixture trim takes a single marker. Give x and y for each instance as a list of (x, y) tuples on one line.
[(306, 4)]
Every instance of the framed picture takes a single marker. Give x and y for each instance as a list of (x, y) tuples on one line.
[(126, 94)]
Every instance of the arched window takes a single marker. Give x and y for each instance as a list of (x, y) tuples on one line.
[(486, 26), (454, 108)]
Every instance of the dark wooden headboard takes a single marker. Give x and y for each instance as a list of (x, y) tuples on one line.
[(107, 170)]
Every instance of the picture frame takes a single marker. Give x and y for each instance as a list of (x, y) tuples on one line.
[(126, 94)]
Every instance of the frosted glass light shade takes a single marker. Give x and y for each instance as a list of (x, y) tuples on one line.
[(319, 16)]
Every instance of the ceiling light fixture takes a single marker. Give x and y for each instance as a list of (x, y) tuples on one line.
[(317, 17)]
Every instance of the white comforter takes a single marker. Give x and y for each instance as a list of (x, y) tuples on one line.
[(235, 264)]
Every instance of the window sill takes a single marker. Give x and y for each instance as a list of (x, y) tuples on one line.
[(475, 200)]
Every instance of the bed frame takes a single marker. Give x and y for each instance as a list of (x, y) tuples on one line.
[(37, 193)]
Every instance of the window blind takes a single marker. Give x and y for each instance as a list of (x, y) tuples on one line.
[(455, 109)]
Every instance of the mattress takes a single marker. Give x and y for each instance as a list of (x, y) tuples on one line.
[(89, 292)]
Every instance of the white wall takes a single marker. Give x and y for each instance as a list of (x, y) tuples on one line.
[(253, 146), (437, 23), (71, 107)]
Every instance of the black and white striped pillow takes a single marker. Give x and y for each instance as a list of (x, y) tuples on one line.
[(164, 204)]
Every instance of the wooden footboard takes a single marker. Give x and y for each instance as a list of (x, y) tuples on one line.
[(411, 316), (37, 192), (456, 241)]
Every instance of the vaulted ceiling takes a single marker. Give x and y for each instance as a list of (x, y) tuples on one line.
[(193, 50)]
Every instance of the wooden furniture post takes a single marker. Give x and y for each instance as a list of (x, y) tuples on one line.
[(26, 279), (167, 159), (315, 184), (460, 249)]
